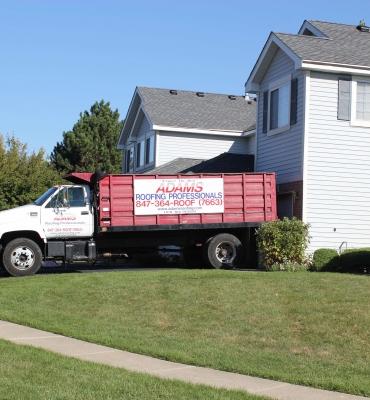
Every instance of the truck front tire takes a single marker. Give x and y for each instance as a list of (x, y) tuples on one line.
[(223, 251), (22, 257)]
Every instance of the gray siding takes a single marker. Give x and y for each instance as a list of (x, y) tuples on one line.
[(202, 146), (338, 171), (144, 127), (281, 153)]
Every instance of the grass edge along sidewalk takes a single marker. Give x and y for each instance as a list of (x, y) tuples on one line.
[(164, 369), (304, 328), (47, 375)]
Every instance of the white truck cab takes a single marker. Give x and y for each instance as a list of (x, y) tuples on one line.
[(63, 212)]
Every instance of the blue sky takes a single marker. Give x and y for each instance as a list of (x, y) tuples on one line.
[(60, 56)]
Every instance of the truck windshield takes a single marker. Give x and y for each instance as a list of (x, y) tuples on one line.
[(41, 200)]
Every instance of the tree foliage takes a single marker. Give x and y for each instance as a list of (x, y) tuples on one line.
[(23, 177), (92, 143)]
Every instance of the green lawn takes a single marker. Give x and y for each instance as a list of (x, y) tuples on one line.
[(306, 328), (30, 373)]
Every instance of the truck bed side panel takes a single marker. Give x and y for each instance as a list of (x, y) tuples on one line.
[(249, 197)]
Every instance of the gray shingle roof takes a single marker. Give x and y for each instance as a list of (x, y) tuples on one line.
[(223, 163), (344, 44), (187, 110)]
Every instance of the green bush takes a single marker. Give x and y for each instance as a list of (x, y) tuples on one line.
[(325, 260), (355, 260), (283, 241)]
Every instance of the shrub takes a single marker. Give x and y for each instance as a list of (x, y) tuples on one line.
[(283, 241), (355, 260), (325, 260)]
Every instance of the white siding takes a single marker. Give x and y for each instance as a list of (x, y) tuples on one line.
[(198, 146), (338, 171), (281, 153)]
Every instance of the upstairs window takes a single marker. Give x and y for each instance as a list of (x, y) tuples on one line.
[(140, 154), (130, 160), (354, 101), (149, 150), (280, 106), (363, 101)]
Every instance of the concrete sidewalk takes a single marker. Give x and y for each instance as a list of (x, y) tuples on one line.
[(164, 369)]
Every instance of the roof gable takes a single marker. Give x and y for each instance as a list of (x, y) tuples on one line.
[(322, 46), (181, 110)]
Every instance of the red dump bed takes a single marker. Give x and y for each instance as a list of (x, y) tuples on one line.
[(139, 200), (133, 200)]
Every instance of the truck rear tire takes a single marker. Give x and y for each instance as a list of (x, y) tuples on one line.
[(223, 251), (22, 257)]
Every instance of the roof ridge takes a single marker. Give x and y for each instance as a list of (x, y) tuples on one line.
[(300, 35), (333, 23), (189, 91)]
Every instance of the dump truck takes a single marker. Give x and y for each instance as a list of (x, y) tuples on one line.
[(211, 218)]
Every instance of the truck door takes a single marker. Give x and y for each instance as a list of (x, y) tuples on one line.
[(68, 213)]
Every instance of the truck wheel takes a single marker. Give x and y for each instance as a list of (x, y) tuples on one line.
[(22, 257), (224, 251), (205, 253)]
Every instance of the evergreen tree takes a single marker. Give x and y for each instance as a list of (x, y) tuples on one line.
[(92, 143), (23, 177)]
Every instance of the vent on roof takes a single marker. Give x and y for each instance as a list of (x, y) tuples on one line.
[(231, 97), (200, 94), (172, 91), (363, 28)]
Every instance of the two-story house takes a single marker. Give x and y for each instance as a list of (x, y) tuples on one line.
[(162, 125), (313, 128)]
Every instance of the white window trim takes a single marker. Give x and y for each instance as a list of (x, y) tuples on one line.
[(354, 121), (273, 86)]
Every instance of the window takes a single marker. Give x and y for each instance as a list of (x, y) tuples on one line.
[(280, 106), (76, 197), (354, 101), (279, 103), (130, 160), (140, 155), (363, 101), (68, 197), (149, 150)]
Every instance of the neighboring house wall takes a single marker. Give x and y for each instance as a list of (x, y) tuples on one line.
[(199, 146), (281, 153), (338, 165)]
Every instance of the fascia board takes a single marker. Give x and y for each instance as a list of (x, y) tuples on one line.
[(310, 27), (190, 130), (137, 120), (249, 133), (124, 132), (322, 66), (250, 85)]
